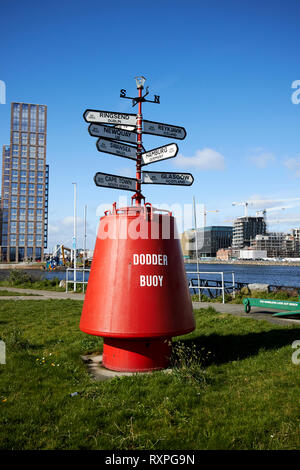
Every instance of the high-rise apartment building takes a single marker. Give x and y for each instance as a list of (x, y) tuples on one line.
[(246, 228), (25, 176)]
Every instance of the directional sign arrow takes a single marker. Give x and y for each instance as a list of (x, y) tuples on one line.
[(160, 153), (164, 130), (109, 117), (97, 130), (116, 148), (178, 179), (114, 181)]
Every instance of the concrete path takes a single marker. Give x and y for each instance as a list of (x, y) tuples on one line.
[(256, 312), (233, 309), (37, 294)]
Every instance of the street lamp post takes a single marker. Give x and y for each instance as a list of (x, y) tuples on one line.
[(74, 238), (84, 238)]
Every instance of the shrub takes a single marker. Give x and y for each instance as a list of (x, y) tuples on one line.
[(17, 277)]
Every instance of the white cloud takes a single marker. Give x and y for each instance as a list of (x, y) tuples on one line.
[(53, 229), (205, 159), (62, 232), (260, 202), (263, 159), (293, 164), (126, 171), (286, 220), (69, 221)]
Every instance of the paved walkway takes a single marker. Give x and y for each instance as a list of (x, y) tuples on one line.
[(256, 312), (233, 309), (37, 294)]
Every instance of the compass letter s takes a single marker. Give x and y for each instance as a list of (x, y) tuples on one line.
[(296, 95)]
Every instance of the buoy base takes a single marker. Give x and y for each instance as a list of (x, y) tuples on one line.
[(136, 355)]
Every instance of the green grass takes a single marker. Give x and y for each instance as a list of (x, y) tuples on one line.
[(234, 386), (23, 280)]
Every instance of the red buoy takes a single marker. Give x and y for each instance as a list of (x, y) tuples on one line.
[(137, 296)]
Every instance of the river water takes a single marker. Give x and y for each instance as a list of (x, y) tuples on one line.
[(268, 274)]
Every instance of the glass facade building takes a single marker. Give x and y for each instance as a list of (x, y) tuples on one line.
[(209, 241), (25, 180)]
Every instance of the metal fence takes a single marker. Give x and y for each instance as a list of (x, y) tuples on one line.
[(220, 283), (74, 280)]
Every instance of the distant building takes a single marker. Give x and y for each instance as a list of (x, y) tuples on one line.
[(25, 175), (296, 241), (278, 244), (245, 229), (272, 243), (209, 241), (249, 254), (224, 254)]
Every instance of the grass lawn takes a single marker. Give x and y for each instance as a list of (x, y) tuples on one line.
[(234, 387)]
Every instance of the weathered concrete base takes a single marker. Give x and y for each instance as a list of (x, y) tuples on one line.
[(100, 373)]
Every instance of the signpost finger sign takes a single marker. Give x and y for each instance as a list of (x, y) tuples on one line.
[(160, 153), (164, 130), (113, 133), (107, 180), (109, 117), (116, 148), (178, 179)]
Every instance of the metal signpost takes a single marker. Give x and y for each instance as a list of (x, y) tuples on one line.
[(116, 130)]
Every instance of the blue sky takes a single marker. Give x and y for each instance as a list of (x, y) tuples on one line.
[(223, 69)]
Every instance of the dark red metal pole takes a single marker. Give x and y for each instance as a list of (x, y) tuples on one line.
[(138, 195)]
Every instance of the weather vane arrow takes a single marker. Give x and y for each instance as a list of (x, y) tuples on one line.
[(140, 99)]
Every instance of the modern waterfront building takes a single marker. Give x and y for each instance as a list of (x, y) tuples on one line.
[(209, 241), (245, 229), (272, 243), (25, 179), (296, 241), (278, 244)]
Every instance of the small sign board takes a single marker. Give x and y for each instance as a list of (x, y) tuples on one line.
[(116, 148), (106, 180), (160, 153), (164, 130), (113, 133), (127, 128), (178, 179), (109, 117)]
